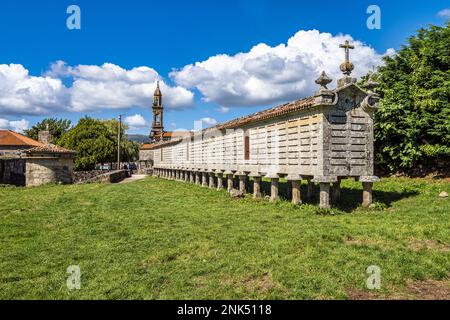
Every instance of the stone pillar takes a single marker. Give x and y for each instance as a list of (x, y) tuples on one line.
[(274, 178), (336, 191), (256, 186), (367, 182), (324, 195), (197, 178), (242, 181), (310, 190), (212, 182), (296, 196), (204, 179), (229, 176), (219, 180), (191, 177), (186, 176), (295, 182), (367, 194)]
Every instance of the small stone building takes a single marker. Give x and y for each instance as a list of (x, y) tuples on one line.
[(48, 164), (24, 161)]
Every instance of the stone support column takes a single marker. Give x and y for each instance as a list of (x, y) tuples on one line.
[(324, 195), (274, 179), (197, 178), (367, 183), (212, 182), (204, 179), (310, 190), (229, 176), (242, 181), (219, 180), (256, 185), (295, 181)]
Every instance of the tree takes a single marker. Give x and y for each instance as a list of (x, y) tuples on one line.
[(57, 128), (96, 142), (93, 142), (412, 127), (129, 151)]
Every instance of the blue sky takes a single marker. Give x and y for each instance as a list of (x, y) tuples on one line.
[(170, 35)]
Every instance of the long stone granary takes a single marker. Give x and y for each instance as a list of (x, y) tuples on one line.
[(322, 139)]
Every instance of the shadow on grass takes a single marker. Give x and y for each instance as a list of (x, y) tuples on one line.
[(351, 198)]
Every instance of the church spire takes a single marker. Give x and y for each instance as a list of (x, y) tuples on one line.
[(157, 109)]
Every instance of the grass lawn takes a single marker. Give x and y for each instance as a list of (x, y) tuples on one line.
[(159, 239)]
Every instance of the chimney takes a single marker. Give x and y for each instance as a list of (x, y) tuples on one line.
[(44, 137)]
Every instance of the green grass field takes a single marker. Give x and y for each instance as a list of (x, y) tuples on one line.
[(159, 239)]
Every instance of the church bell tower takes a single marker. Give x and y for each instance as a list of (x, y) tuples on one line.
[(157, 124)]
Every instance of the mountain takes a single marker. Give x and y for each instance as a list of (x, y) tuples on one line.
[(139, 138)]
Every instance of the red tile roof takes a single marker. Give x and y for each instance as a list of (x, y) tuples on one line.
[(147, 146), (11, 139)]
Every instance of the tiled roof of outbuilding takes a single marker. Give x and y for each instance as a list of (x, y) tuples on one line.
[(11, 138), (49, 148)]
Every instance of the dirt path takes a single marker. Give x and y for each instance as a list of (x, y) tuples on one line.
[(134, 177)]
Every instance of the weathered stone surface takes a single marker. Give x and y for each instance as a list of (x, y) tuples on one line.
[(324, 195), (443, 194), (234, 193), (367, 194)]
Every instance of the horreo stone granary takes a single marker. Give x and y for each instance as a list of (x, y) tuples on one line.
[(321, 139)]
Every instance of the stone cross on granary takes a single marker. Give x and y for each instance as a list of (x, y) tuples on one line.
[(346, 67)]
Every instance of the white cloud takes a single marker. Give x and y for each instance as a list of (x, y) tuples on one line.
[(445, 13), (209, 121), (23, 94), (268, 74), (17, 125), (136, 121), (112, 87), (89, 88), (223, 109)]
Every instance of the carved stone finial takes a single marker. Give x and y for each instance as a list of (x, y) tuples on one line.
[(370, 84), (324, 95), (370, 103), (323, 81)]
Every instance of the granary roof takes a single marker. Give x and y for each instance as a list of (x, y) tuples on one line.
[(293, 106), (49, 148), (147, 146), (297, 105), (11, 138)]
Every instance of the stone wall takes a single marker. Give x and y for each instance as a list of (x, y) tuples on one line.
[(48, 170), (12, 151), (82, 176), (12, 171), (109, 177)]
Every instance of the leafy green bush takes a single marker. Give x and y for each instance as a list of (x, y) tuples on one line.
[(412, 127)]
